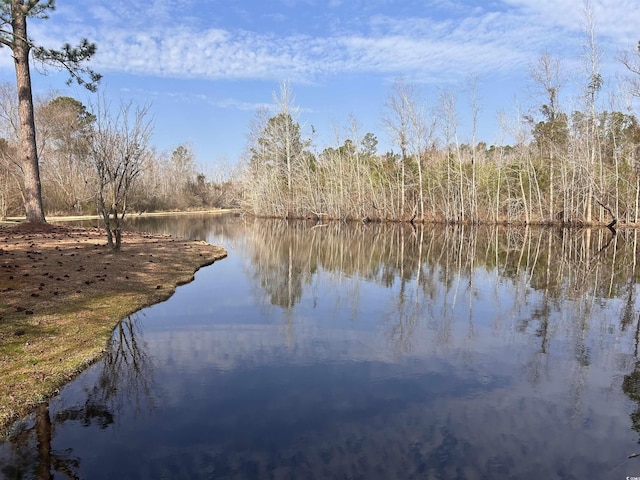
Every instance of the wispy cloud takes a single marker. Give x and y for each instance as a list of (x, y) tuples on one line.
[(187, 98), (483, 41), (344, 51), (616, 20)]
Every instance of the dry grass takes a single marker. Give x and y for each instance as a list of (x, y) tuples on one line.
[(62, 291)]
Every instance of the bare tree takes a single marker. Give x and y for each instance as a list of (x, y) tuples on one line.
[(10, 170), (631, 60), (119, 146), (397, 123), (551, 133), (411, 131), (591, 60), (449, 126), (475, 109)]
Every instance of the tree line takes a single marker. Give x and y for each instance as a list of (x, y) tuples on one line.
[(59, 157), (575, 166), (90, 157), (578, 165), (566, 168)]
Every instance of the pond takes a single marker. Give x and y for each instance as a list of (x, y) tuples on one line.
[(363, 351)]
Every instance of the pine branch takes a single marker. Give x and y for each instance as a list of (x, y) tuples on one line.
[(71, 59)]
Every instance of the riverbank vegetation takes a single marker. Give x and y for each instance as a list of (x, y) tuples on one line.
[(577, 167), (572, 158), (562, 168)]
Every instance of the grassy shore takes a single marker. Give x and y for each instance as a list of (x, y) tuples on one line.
[(62, 291)]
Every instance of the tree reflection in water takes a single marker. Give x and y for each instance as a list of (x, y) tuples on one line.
[(430, 263), (432, 269), (631, 387), (565, 296), (125, 378)]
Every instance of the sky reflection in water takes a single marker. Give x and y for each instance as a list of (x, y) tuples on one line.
[(363, 351)]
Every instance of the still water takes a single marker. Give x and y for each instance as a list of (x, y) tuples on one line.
[(363, 352)]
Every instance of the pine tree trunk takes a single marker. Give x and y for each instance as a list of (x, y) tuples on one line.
[(27, 147), (43, 436)]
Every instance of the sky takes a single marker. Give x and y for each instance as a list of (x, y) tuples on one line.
[(205, 67)]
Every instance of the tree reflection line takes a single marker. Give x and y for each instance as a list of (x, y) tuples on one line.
[(427, 267), (287, 255), (126, 375)]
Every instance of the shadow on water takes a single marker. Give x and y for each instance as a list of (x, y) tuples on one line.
[(124, 379), (368, 351)]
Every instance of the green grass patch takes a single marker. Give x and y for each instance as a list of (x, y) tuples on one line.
[(46, 341)]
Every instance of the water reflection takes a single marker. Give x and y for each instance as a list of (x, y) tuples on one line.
[(433, 273), (631, 386), (371, 351), (124, 379)]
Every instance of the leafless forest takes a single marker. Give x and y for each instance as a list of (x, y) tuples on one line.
[(98, 159), (575, 167)]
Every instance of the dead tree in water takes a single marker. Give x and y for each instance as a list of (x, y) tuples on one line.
[(613, 221)]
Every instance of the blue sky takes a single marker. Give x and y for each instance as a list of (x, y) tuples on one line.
[(205, 67)]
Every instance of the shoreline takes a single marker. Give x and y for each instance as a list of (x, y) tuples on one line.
[(72, 218), (63, 293)]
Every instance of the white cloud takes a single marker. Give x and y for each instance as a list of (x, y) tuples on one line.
[(216, 53), (481, 41), (615, 19)]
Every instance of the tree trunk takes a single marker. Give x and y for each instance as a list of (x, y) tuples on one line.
[(27, 146), (551, 180), (43, 435)]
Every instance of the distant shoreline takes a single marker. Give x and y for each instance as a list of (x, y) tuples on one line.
[(71, 218)]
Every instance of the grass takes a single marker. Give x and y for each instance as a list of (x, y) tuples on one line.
[(62, 291)]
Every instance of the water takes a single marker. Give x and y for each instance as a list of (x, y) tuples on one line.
[(363, 351)]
